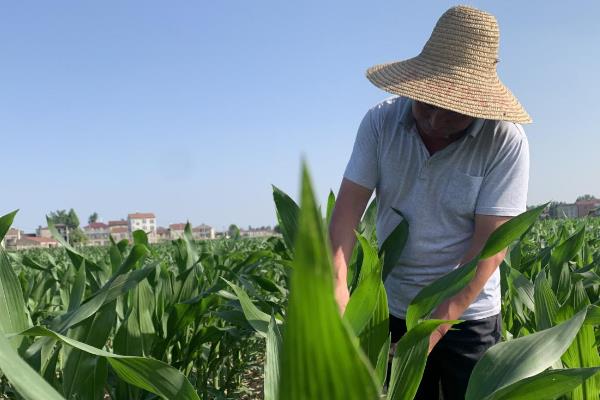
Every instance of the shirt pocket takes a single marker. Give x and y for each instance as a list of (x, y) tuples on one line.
[(460, 196)]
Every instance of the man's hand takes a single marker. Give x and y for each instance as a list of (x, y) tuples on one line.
[(342, 296), (350, 204), (453, 307), (436, 336)]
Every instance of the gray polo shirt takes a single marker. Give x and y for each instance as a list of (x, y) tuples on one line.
[(484, 172)]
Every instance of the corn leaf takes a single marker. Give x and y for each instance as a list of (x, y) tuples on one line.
[(410, 358), (287, 215), (146, 373), (25, 380), (549, 384), (320, 359), (5, 223), (508, 362), (272, 359)]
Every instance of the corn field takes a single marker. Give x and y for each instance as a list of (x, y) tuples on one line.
[(254, 319)]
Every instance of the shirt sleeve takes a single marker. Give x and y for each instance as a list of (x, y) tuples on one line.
[(503, 191), (363, 165)]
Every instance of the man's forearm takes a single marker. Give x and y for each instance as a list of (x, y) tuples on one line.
[(453, 307)]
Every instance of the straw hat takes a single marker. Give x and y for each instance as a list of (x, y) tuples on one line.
[(456, 69)]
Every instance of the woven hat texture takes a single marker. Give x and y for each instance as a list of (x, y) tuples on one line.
[(456, 69)]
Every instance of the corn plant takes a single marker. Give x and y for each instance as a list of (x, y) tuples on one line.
[(321, 354)]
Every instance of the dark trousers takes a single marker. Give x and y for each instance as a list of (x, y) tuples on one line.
[(451, 361)]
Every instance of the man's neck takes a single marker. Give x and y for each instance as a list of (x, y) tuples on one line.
[(434, 145)]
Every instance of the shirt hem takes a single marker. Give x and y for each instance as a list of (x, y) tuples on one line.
[(500, 211), (359, 181), (467, 316)]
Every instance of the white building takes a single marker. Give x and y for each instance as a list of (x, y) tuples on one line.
[(97, 233), (12, 236), (176, 231), (29, 242), (263, 231), (145, 222), (203, 231)]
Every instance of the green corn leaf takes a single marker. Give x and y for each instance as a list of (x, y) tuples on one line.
[(522, 286), (381, 367), (549, 384), (368, 223), (376, 332), (510, 231), (450, 284), (410, 358), (434, 294), (146, 373), (272, 361), (330, 207), (137, 334), (567, 250), (582, 353), (392, 246), (121, 284), (25, 380), (320, 359), (287, 215), (363, 301), (546, 304), (78, 289), (508, 362), (5, 223), (593, 315), (84, 375), (258, 319), (13, 314)]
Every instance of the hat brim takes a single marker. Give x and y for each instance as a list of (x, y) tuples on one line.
[(469, 92)]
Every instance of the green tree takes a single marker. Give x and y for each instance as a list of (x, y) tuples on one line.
[(71, 221), (93, 218), (586, 197), (59, 217), (233, 231), (77, 236)]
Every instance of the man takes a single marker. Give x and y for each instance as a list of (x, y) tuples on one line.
[(449, 153)]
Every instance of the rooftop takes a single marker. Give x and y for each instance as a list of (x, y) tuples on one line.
[(138, 215), (177, 227), (96, 225), (117, 223)]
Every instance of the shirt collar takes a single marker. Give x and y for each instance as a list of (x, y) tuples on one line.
[(409, 121)]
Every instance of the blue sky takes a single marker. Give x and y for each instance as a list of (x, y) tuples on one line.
[(193, 109)]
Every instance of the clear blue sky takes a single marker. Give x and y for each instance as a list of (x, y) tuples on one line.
[(193, 109)]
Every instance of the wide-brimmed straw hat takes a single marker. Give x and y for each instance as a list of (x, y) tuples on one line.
[(456, 69)]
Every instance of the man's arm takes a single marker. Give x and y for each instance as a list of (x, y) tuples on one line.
[(351, 202), (454, 307)]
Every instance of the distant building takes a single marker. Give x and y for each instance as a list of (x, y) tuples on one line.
[(145, 222), (566, 211), (12, 236), (118, 223), (28, 242), (63, 230), (43, 232), (203, 231), (162, 234), (119, 233), (587, 207), (176, 231), (97, 233), (119, 229), (263, 231)]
